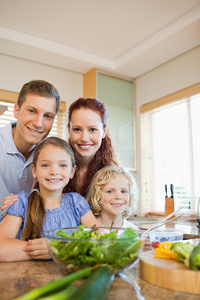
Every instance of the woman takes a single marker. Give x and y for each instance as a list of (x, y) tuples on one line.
[(90, 139)]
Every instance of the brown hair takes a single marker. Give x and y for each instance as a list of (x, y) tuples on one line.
[(105, 155), (36, 208), (41, 88), (103, 176)]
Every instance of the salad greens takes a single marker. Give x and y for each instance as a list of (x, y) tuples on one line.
[(90, 248)]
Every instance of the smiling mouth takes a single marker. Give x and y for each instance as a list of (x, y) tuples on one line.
[(53, 180), (85, 147), (117, 204), (35, 131)]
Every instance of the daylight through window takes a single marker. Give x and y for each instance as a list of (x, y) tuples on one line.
[(170, 154)]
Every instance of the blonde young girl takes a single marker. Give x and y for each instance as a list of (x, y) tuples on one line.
[(47, 207), (113, 196)]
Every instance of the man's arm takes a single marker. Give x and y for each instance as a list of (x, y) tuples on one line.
[(7, 201)]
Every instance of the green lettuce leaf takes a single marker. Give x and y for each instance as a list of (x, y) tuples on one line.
[(91, 248)]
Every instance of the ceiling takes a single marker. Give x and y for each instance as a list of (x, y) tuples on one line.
[(126, 37)]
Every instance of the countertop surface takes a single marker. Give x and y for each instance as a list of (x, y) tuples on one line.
[(17, 278)]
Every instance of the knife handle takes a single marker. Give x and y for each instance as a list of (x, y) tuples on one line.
[(169, 202), (198, 214), (165, 190), (172, 190)]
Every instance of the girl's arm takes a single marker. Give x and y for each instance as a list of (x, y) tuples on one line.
[(89, 219), (10, 247)]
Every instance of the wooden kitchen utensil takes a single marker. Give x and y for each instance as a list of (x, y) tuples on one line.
[(168, 274)]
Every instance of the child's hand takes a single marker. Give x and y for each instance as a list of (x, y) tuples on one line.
[(147, 242), (37, 249)]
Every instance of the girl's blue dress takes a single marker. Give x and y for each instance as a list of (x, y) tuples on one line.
[(68, 214)]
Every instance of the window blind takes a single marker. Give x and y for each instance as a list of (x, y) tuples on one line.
[(170, 154)]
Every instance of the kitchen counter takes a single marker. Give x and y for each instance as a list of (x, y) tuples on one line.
[(185, 223), (17, 278)]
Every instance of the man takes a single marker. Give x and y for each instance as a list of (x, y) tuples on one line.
[(37, 105)]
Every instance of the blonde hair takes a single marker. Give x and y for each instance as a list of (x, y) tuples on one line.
[(103, 176)]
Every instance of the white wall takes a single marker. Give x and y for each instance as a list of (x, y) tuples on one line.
[(171, 77), (177, 74), (14, 72)]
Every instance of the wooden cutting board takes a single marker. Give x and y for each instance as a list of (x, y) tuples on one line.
[(169, 274)]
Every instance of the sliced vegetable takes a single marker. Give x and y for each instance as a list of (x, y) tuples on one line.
[(186, 253), (96, 286), (155, 244), (163, 251), (54, 286), (183, 251), (63, 294), (194, 260)]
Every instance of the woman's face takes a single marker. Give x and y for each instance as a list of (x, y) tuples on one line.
[(86, 132)]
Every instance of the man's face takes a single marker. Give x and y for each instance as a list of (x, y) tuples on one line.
[(34, 120)]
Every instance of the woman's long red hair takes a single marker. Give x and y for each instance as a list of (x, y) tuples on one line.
[(105, 156)]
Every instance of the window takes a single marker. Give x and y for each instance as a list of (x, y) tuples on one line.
[(170, 151), (7, 101)]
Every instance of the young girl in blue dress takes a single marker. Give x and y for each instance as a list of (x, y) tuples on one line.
[(47, 207)]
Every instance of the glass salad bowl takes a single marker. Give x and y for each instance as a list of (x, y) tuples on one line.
[(78, 247)]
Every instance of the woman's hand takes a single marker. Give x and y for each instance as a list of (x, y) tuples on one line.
[(147, 244), (37, 249), (7, 201)]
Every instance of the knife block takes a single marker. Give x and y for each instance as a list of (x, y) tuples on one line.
[(169, 206)]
